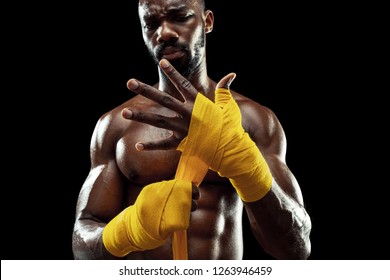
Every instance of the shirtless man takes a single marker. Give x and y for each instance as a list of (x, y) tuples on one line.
[(134, 148)]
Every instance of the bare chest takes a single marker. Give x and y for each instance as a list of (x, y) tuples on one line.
[(145, 167)]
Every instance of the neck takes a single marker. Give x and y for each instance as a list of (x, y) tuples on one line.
[(198, 79)]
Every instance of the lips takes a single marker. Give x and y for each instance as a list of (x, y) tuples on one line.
[(171, 53)]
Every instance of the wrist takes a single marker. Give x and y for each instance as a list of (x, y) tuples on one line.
[(253, 185)]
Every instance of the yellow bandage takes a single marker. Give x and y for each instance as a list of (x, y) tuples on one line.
[(216, 139), (160, 209), (194, 161), (200, 145), (229, 151), (238, 158)]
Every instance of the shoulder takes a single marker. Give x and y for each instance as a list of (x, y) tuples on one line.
[(262, 124)]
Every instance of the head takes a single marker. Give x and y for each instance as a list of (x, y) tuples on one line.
[(176, 30)]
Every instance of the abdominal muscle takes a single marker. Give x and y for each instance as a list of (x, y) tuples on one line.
[(215, 230)]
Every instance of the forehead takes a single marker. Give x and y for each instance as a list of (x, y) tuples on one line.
[(154, 7)]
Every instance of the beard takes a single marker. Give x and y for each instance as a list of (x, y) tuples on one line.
[(187, 64)]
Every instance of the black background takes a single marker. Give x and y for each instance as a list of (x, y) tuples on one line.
[(67, 63)]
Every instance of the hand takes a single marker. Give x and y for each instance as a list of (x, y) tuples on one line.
[(179, 124), (195, 194), (160, 209)]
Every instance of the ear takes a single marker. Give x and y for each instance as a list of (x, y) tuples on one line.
[(209, 21)]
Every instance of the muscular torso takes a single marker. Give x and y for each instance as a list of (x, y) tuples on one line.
[(215, 230)]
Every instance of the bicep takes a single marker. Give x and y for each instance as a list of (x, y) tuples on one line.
[(101, 196)]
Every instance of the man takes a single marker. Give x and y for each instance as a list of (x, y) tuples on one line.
[(180, 162)]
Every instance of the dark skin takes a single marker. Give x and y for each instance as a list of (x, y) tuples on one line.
[(135, 144)]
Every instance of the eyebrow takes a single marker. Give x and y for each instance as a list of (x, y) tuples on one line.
[(173, 10)]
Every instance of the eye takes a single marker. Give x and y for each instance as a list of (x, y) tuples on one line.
[(151, 25), (182, 18)]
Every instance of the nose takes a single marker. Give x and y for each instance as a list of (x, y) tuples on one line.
[(166, 32)]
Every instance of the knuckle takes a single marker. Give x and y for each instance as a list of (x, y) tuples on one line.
[(170, 71), (185, 84), (144, 88), (139, 115), (149, 146)]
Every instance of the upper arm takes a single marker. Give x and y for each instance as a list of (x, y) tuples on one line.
[(102, 194)]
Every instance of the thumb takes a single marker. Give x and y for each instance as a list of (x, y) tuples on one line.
[(222, 90), (226, 81)]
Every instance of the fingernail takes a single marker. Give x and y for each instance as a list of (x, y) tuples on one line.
[(164, 63), (127, 113), (231, 80), (139, 146), (133, 84)]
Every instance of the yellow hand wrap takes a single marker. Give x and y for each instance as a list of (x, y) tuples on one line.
[(160, 209), (194, 160), (217, 138)]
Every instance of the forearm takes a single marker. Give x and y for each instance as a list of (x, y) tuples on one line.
[(281, 225)]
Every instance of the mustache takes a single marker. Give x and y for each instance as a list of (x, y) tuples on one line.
[(175, 45)]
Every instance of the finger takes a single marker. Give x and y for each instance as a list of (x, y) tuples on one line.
[(182, 84), (222, 97), (195, 192), (169, 143), (169, 123), (226, 81), (195, 197), (156, 95), (194, 205)]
